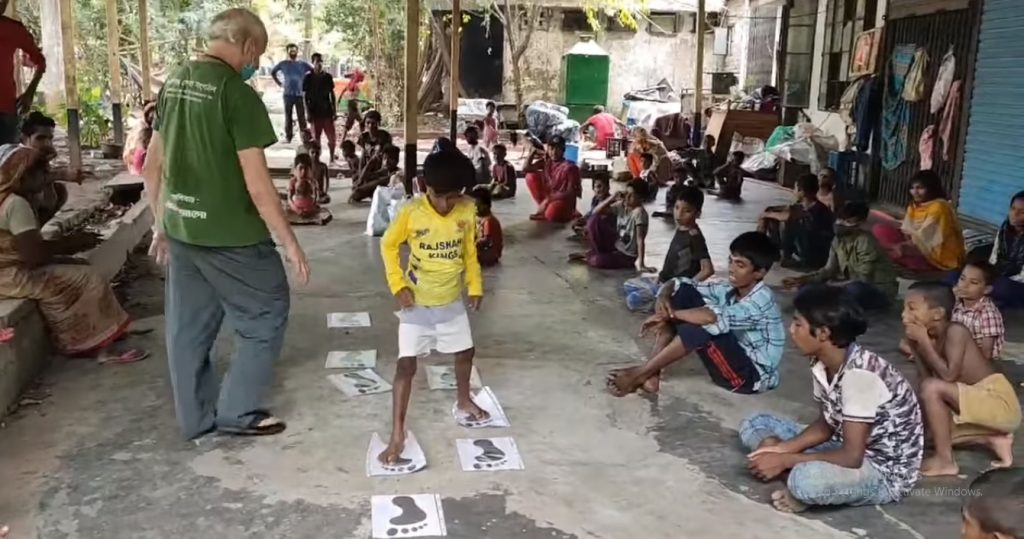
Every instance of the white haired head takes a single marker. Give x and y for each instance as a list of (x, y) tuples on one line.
[(237, 26)]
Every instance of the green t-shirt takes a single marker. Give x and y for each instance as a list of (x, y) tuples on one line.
[(206, 114)]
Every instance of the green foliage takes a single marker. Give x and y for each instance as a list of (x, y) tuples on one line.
[(93, 122)]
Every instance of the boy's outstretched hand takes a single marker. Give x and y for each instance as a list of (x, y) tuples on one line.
[(475, 301), (405, 299)]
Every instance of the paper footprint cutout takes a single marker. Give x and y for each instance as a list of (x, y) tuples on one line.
[(412, 519), (448, 378), (362, 383), (400, 465), (466, 420), (490, 457)]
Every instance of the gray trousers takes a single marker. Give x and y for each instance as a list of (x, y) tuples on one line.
[(247, 285)]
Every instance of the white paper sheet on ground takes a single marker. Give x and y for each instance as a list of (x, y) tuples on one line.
[(351, 359), (488, 454), (356, 383), (412, 515), (443, 377), (411, 460), (484, 399), (348, 320)]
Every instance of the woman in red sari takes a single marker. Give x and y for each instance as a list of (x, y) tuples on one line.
[(555, 184)]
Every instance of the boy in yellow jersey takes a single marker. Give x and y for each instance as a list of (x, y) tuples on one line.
[(440, 230)]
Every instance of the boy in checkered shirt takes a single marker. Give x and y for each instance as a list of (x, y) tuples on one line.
[(975, 310)]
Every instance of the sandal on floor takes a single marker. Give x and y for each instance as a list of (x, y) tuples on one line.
[(132, 355), (253, 427), (6, 335)]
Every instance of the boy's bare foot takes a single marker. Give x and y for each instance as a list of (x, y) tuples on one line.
[(625, 381), (652, 384), (393, 452), (1002, 446), (935, 466), (785, 502), (475, 412)]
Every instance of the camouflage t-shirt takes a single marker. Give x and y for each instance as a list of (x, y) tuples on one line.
[(868, 389)]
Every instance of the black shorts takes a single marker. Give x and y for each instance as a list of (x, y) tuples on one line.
[(725, 360)]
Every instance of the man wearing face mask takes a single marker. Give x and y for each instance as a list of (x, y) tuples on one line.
[(856, 261), (213, 201), (294, 71)]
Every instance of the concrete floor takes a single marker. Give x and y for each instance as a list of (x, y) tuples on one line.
[(102, 457)]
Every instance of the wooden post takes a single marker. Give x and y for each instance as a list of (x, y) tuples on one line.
[(114, 61), (698, 83), (147, 89), (307, 46), (412, 84), (67, 35), (453, 80), (19, 80)]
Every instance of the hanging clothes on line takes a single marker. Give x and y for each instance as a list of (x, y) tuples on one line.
[(943, 81), (913, 88), (897, 112), (949, 116), (926, 147), (867, 112)]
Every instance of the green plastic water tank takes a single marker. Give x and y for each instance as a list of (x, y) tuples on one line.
[(586, 70)]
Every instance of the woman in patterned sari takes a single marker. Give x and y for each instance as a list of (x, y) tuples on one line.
[(79, 307)]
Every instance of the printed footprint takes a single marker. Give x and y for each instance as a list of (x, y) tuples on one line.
[(466, 420), (362, 383), (491, 457), (411, 520), (401, 465), (447, 378)]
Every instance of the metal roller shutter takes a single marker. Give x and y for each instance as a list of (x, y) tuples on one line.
[(994, 161)]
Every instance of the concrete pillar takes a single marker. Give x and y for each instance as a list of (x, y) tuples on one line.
[(698, 83), (52, 84), (412, 88), (453, 80), (144, 58)]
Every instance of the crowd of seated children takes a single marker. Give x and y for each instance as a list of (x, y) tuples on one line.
[(687, 254), (729, 178), (302, 187), (601, 183), (975, 310), (1008, 257), (378, 172), (735, 328), (373, 139), (478, 155), (866, 445), (649, 176), (855, 259), (503, 174), (965, 400), (991, 509), (348, 153), (699, 163), (554, 183), (929, 238), (826, 181), (489, 238), (618, 244), (804, 230)]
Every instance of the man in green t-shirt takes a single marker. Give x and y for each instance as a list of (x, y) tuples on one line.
[(213, 200)]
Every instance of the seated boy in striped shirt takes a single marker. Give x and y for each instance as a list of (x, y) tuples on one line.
[(735, 328)]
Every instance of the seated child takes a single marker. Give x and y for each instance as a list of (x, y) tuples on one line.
[(730, 178), (348, 153), (857, 260), (964, 399), (489, 239), (302, 192), (319, 173), (866, 444), (1008, 257), (503, 174), (305, 138), (374, 176), (735, 328), (826, 187), (679, 182), (649, 176), (687, 254), (602, 190), (991, 509), (975, 309), (478, 155), (807, 231), (624, 246), (438, 230)]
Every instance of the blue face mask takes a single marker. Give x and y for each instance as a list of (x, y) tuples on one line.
[(248, 70)]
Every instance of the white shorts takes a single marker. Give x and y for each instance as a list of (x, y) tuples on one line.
[(445, 329)]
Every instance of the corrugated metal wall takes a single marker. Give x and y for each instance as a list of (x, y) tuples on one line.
[(936, 32), (993, 168)]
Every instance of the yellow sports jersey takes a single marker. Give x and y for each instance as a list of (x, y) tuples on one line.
[(441, 248)]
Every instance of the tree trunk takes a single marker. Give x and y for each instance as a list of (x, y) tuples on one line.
[(517, 87)]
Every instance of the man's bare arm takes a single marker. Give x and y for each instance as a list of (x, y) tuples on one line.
[(264, 194), (152, 175)]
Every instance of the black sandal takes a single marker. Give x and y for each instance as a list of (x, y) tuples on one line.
[(253, 427)]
